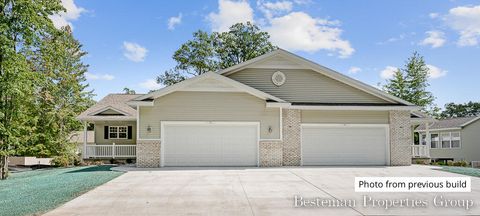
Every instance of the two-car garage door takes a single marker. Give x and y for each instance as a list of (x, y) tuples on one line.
[(210, 144), (332, 144), (236, 144)]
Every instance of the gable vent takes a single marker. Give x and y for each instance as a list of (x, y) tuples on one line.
[(278, 78)]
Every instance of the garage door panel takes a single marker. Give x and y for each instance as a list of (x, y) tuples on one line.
[(344, 145), (210, 144)]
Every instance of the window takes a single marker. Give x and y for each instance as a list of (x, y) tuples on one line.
[(455, 139), (445, 140), (117, 132), (423, 139), (434, 141)]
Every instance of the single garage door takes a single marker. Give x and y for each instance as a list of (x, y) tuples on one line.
[(210, 144), (328, 144)]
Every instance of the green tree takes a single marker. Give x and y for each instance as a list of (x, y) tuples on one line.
[(60, 97), (218, 50), (127, 90), (411, 82), (453, 110), (22, 25)]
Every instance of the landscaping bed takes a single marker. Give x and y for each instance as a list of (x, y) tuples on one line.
[(38, 191)]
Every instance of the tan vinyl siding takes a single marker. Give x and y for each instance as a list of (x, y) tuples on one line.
[(304, 85), (344, 117), (469, 145), (209, 106), (99, 132)]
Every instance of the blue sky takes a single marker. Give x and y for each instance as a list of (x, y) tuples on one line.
[(131, 42)]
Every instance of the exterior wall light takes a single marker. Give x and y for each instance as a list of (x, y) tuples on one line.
[(149, 129)]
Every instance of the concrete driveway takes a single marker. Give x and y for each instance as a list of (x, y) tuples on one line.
[(253, 191)]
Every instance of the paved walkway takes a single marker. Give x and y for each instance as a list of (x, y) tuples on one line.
[(252, 191)]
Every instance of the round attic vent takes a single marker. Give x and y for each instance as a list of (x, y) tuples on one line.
[(278, 78)]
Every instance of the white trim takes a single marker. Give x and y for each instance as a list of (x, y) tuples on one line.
[(108, 118), (149, 139), (375, 108), (440, 129), (140, 103), (385, 126), (85, 137), (469, 122), (118, 132), (276, 104), (181, 85), (319, 69), (107, 108), (164, 123), (138, 122)]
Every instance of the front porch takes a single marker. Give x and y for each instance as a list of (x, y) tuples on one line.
[(110, 151), (112, 140)]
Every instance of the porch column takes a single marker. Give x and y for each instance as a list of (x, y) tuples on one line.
[(85, 137), (428, 138)]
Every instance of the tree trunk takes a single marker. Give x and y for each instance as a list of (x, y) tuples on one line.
[(3, 167)]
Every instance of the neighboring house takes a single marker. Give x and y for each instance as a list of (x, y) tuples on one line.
[(452, 139), (275, 110)]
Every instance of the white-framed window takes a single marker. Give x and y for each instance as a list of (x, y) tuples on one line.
[(445, 140), (117, 132), (434, 141), (455, 140)]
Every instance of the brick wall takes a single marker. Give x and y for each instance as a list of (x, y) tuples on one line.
[(271, 153), (148, 153), (400, 138), (291, 137)]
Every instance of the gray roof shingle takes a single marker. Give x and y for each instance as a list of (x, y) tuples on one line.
[(448, 123), (115, 101)]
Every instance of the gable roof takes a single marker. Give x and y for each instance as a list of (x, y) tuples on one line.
[(115, 102), (451, 123), (237, 86), (320, 69)]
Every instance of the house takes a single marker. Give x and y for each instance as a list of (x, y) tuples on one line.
[(452, 139), (78, 137), (278, 109)]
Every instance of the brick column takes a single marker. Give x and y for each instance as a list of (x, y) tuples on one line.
[(291, 137), (148, 153), (400, 138), (271, 153)]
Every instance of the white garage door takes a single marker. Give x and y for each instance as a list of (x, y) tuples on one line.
[(344, 144), (209, 144)]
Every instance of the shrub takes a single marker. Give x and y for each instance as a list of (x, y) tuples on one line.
[(60, 161), (449, 163), (461, 163), (129, 161)]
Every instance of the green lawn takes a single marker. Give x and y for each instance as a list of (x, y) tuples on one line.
[(463, 170), (38, 191)]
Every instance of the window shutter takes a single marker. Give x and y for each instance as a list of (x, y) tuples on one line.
[(129, 132), (105, 132)]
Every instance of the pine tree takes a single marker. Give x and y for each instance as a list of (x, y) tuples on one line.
[(411, 82)]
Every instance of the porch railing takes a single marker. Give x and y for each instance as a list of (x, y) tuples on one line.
[(420, 151), (110, 151)]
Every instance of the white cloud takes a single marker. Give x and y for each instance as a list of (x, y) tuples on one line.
[(299, 31), (64, 18), (134, 51), (433, 15), (91, 76), (174, 21), (434, 39), (354, 70), (270, 9), (435, 72), (150, 84), (388, 72), (229, 13), (466, 21)]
